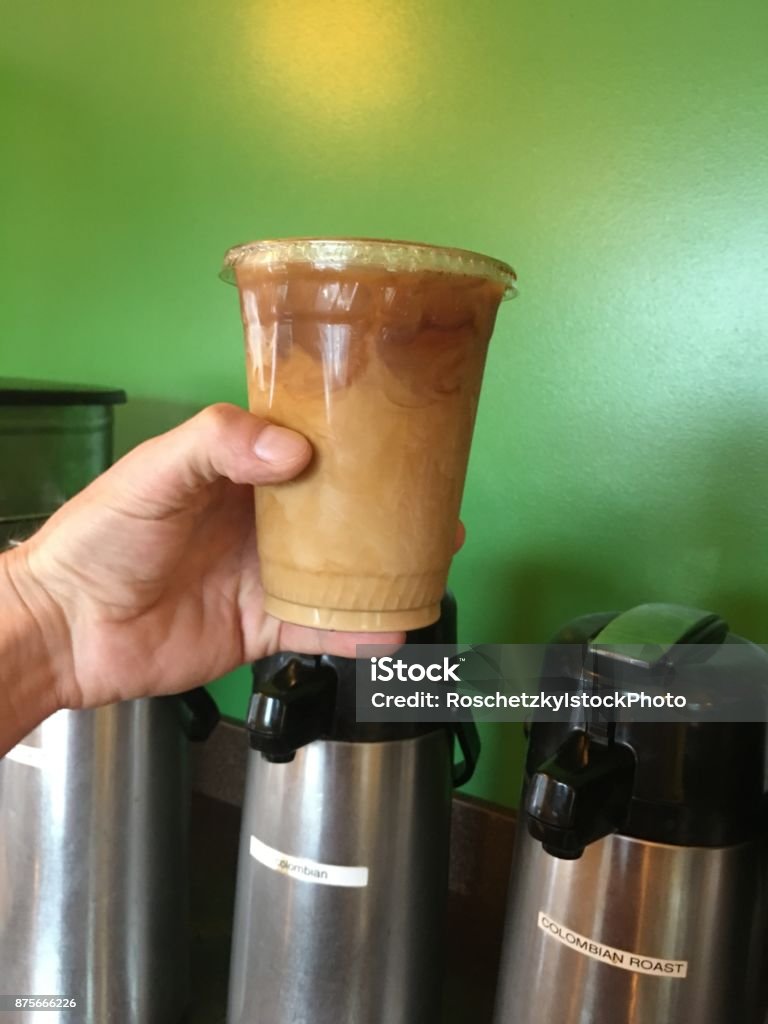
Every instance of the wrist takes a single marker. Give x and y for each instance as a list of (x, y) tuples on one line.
[(33, 650)]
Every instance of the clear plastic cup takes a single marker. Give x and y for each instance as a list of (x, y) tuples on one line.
[(375, 351)]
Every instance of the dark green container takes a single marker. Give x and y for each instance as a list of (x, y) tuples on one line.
[(54, 439)]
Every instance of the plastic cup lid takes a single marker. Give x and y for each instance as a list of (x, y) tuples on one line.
[(338, 253)]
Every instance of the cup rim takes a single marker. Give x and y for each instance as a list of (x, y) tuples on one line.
[(379, 253)]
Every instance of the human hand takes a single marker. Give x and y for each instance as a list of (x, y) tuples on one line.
[(147, 582)]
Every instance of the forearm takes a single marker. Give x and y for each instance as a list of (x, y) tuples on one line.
[(28, 657)]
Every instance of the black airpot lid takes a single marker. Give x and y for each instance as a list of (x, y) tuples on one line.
[(696, 780), (18, 391)]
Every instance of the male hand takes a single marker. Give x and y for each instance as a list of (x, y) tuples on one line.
[(147, 582)]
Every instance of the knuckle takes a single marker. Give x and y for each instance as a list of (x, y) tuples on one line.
[(217, 419)]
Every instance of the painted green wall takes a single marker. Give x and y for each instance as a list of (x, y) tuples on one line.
[(616, 153)]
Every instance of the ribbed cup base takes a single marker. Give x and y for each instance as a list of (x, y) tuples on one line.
[(365, 621)]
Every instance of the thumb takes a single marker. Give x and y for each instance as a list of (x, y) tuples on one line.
[(223, 440)]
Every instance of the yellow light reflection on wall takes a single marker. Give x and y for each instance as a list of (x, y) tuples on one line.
[(339, 60)]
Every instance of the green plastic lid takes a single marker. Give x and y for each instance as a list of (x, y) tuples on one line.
[(18, 391)]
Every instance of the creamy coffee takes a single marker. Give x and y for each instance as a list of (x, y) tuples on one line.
[(381, 370)]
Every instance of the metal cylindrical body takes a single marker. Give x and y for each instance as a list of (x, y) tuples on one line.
[(342, 884), (93, 854), (633, 931), (93, 804)]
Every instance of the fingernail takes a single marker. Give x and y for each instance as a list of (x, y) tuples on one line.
[(278, 444)]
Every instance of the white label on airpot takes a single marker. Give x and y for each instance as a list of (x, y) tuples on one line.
[(22, 754), (308, 870), (622, 958)]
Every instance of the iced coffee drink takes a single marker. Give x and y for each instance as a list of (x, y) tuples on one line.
[(375, 352)]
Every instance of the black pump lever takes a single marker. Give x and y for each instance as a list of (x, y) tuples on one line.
[(292, 705), (580, 795)]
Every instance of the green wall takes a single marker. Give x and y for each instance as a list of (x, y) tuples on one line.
[(615, 153)]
